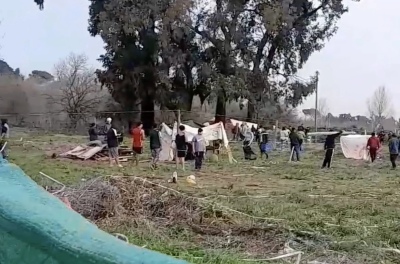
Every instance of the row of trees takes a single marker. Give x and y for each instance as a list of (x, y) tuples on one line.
[(164, 52)]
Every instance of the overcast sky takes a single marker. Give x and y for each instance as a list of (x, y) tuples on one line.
[(364, 54)]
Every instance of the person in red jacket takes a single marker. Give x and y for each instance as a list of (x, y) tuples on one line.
[(373, 145), (138, 137)]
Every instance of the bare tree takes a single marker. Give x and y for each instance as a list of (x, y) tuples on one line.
[(77, 92), (379, 106)]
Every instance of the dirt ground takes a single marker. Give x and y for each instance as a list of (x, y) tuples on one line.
[(246, 210)]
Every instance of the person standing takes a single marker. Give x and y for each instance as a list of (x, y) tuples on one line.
[(284, 137), (393, 149), (199, 146), (302, 135), (236, 132), (264, 144), (138, 137), (155, 146), (329, 148), (181, 147), (294, 144), (112, 144), (93, 133), (244, 129), (5, 134), (373, 146)]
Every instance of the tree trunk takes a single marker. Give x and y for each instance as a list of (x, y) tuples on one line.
[(220, 111), (250, 111), (133, 115), (186, 108), (147, 114)]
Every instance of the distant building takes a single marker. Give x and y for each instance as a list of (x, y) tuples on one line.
[(345, 117)]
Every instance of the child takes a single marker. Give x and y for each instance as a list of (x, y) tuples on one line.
[(263, 144)]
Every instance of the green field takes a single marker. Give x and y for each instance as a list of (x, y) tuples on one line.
[(248, 210)]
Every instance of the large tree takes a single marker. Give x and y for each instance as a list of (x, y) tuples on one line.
[(149, 58), (240, 49), (266, 40)]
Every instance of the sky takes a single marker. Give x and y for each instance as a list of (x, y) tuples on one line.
[(362, 56)]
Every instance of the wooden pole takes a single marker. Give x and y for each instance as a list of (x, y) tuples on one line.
[(179, 120), (291, 154), (276, 132), (316, 102)]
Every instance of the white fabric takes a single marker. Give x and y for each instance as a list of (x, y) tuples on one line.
[(355, 146), (234, 122), (210, 133), (284, 135), (166, 152)]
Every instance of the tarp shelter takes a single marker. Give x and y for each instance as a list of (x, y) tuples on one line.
[(234, 122), (212, 132), (354, 146)]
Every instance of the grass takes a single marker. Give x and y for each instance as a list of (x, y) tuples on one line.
[(350, 212)]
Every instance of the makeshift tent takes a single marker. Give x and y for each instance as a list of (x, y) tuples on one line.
[(354, 146), (234, 122), (212, 132)]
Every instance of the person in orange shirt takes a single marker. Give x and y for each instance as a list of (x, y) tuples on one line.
[(137, 141)]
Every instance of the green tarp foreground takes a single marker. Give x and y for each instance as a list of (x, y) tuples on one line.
[(36, 227)]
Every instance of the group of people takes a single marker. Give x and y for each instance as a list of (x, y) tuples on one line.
[(291, 136), (248, 135), (374, 144), (182, 145)]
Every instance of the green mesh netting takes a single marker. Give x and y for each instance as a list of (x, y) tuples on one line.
[(36, 227)]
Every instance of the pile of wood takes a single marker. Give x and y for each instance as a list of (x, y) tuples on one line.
[(125, 153), (98, 153)]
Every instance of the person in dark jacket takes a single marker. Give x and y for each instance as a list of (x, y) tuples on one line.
[(329, 147), (112, 144), (294, 144), (93, 133), (181, 147), (393, 149), (264, 144), (155, 146)]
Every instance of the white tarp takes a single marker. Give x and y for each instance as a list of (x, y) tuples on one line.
[(212, 132), (167, 152), (355, 146), (234, 122)]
